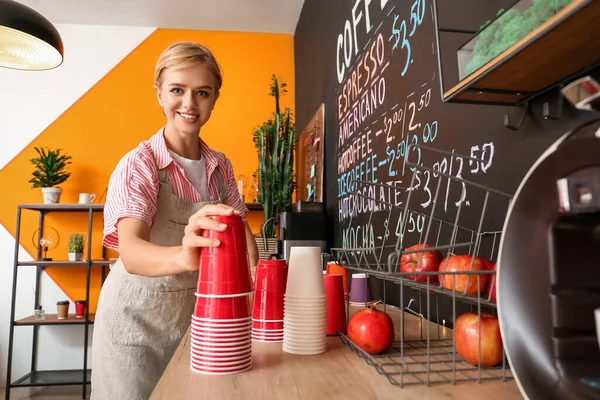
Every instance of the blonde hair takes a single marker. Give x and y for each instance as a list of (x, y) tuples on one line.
[(187, 54)]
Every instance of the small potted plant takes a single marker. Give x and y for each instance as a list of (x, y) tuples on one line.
[(75, 246), (50, 171)]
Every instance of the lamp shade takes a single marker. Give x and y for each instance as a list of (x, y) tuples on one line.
[(27, 39)]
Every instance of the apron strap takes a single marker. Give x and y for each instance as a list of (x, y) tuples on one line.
[(221, 185), (163, 176)]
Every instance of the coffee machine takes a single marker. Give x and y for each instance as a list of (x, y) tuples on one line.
[(303, 226)]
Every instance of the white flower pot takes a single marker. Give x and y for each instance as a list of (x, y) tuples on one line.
[(75, 256), (51, 195)]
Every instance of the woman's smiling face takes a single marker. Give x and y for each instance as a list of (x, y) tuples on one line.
[(187, 97)]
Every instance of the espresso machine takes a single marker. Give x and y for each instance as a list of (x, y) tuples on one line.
[(303, 226), (548, 275)]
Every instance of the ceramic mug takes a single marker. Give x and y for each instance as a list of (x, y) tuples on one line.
[(86, 198)]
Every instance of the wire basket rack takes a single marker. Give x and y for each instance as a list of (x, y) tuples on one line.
[(466, 228)]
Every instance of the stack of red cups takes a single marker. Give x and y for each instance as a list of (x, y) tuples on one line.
[(221, 323), (267, 307)]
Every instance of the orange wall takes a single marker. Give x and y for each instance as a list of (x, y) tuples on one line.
[(121, 110)]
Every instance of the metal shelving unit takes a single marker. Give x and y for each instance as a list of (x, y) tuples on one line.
[(37, 377), (431, 356)]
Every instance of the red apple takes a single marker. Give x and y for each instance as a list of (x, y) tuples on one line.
[(466, 328), (425, 261), (491, 286), (371, 330), (463, 281)]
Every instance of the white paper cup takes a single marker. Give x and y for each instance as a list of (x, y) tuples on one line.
[(304, 299), (304, 351), (305, 273), (304, 318), (305, 328)]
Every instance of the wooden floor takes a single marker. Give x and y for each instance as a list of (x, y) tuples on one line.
[(50, 393)]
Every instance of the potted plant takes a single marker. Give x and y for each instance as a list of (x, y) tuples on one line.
[(274, 141), (76, 246), (50, 171)]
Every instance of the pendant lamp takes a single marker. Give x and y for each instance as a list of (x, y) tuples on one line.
[(27, 39)]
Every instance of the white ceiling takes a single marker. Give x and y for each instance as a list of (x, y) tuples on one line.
[(275, 16)]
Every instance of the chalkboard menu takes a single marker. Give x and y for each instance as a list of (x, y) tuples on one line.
[(375, 66), (387, 98)]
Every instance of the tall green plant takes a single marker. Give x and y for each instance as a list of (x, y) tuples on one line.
[(50, 168), (275, 140)]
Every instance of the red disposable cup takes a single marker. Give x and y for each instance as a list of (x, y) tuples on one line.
[(222, 358), (202, 369), (222, 308), (234, 321), (208, 352), (267, 336), (336, 310), (267, 326), (220, 345), (233, 238), (80, 308), (224, 275), (200, 339), (274, 279), (268, 301), (267, 340), (235, 351), (267, 305), (212, 329), (275, 263), (221, 363), (213, 326)]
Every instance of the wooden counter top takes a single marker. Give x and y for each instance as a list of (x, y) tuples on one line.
[(339, 373)]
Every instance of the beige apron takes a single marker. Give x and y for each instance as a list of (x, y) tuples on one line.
[(141, 320)]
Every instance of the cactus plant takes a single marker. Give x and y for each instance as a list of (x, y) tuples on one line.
[(76, 243), (275, 142)]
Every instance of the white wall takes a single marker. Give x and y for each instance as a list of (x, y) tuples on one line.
[(29, 103)]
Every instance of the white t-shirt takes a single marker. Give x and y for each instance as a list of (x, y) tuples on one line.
[(195, 170)]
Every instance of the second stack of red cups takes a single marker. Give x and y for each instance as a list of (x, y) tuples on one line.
[(221, 323), (267, 308)]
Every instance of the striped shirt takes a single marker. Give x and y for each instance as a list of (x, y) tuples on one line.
[(133, 186)]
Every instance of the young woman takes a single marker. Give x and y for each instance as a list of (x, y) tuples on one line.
[(160, 197)]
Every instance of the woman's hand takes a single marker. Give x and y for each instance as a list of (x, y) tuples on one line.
[(188, 258)]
